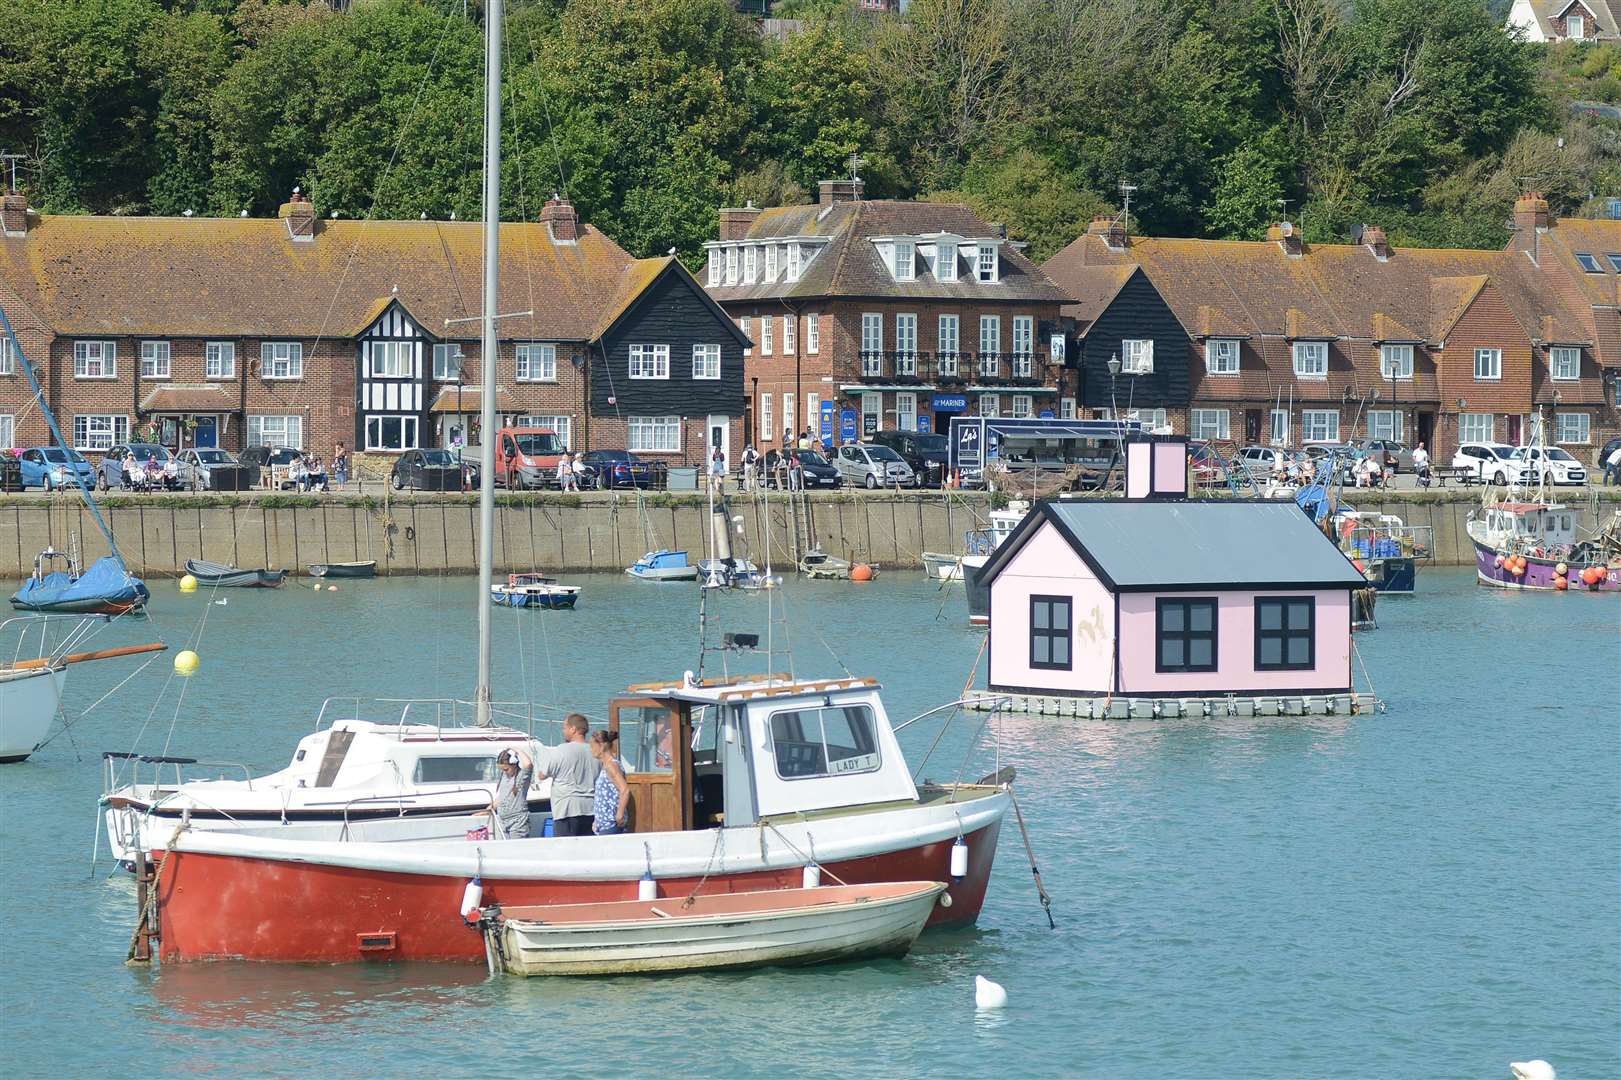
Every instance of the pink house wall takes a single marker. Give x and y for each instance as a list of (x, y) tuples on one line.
[(1171, 468), (1047, 565)]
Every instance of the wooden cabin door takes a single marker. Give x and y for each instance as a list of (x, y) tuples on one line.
[(655, 739)]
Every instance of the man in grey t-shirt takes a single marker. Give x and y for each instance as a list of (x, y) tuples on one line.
[(511, 804), (574, 778)]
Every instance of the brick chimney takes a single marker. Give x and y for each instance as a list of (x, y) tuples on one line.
[(837, 191), (299, 213), (14, 214), (1288, 238), (1111, 229), (1374, 237), (1531, 212), (735, 221), (561, 220)]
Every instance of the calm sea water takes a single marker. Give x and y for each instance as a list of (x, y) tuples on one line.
[(1431, 892)]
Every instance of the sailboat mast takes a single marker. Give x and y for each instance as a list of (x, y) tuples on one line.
[(488, 349)]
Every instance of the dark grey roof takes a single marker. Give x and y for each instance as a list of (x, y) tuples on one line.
[(1141, 545)]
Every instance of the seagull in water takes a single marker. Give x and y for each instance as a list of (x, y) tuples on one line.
[(989, 995), (1531, 1070)]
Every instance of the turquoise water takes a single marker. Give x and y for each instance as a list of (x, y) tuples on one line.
[(1431, 892)]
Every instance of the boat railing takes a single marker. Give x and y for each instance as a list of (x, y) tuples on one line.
[(446, 711), (111, 760), (406, 802), (42, 623), (1389, 542)]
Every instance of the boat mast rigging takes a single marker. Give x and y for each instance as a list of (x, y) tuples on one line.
[(488, 348)]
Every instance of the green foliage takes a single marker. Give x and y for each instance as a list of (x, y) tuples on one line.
[(1028, 194)]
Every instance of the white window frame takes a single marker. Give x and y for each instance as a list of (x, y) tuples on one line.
[(731, 265), (1573, 428), (767, 337), (906, 411), (1319, 425), (1477, 428), (872, 343), (1024, 406), (653, 434), (1209, 424), (990, 330), (1024, 346), (795, 259), (813, 333), (649, 361), (443, 354), (813, 413), (290, 428), (103, 364), (1066, 408), (410, 432), (986, 269), (281, 360), (905, 343), (905, 260), (706, 361), (1565, 363), (990, 405), (157, 360), (1575, 27), (948, 343), (1396, 361), (1278, 427), (771, 262), (1221, 356), (790, 326), (535, 361), (8, 357), (561, 426), (110, 429), (945, 262), (872, 406), (389, 359), (743, 326), (1386, 424), (716, 266), (751, 264), (788, 414), (768, 422), (1310, 359), (219, 360), (1491, 362), (1137, 356), (8, 431)]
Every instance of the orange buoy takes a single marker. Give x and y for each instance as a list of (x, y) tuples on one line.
[(1561, 583), (860, 572), (1519, 570)]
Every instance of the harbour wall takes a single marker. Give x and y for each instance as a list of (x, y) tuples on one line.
[(557, 534)]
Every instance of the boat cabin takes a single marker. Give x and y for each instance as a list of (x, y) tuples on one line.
[(1548, 527), (1159, 595), (734, 752)]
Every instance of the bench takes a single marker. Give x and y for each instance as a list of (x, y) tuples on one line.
[(1463, 474)]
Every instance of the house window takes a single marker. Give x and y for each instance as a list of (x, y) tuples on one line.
[(154, 359), (95, 360), (986, 263), (219, 360), (906, 344), (789, 324), (872, 343), (8, 431), (1588, 262), (714, 267), (1488, 363), (750, 265), (99, 431), (1614, 259), (990, 345), (281, 360), (813, 411), (1477, 427), (1311, 359), (989, 405), (706, 361), (787, 417), (793, 262), (834, 741), (743, 325), (1565, 362), (8, 358), (1280, 427), (1320, 425), (650, 361), (1023, 406), (538, 362), (1024, 343), (1221, 356), (654, 434), (945, 262), (1184, 635), (768, 428), (561, 426), (767, 345), (731, 266), (1209, 424), (1066, 408), (1050, 629), (872, 412), (771, 262), (1573, 427), (813, 333), (390, 359), (391, 433), (1396, 361), (947, 343), (445, 364), (1575, 27), (1286, 633), (1137, 357), (1385, 424), (906, 411), (285, 431), (905, 260)]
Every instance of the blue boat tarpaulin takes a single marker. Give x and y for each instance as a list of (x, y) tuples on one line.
[(106, 585)]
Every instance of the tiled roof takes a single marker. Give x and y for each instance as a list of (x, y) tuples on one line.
[(849, 264), (1596, 237), (466, 399), (190, 397), (636, 278), (1546, 11), (245, 277), (1094, 289)]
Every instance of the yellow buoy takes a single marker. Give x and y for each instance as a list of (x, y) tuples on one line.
[(316, 586), (188, 584), (186, 662)]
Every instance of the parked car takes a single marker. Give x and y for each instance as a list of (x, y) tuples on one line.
[(1260, 461), (618, 469), (1319, 450), (195, 464), (1557, 465), (874, 466), (927, 454), (1397, 455), (527, 457), (51, 467), (154, 459), (1490, 463), (432, 470), (816, 470)]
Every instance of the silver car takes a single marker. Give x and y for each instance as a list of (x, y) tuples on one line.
[(194, 465), (873, 466)]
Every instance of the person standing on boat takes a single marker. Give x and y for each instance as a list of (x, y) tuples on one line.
[(511, 804), (611, 795), (573, 769)]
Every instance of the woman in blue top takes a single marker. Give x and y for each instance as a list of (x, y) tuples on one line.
[(611, 798)]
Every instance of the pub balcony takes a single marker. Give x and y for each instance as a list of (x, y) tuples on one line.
[(914, 368)]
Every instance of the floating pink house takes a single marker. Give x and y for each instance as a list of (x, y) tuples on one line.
[(1160, 596)]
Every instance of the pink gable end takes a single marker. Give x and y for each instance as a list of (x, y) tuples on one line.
[(1047, 566)]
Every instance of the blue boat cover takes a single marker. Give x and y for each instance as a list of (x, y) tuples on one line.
[(106, 580)]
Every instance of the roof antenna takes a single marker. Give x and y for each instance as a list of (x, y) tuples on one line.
[(1283, 210), (856, 161), (1126, 188), (11, 160)]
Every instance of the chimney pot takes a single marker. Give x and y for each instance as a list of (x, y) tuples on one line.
[(836, 191), (299, 213), (1531, 212), (561, 220), (736, 221), (14, 214)]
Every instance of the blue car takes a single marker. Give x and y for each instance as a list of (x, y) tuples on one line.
[(617, 469), (51, 467)]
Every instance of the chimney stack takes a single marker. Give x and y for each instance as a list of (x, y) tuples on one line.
[(14, 214), (561, 220), (1111, 229), (1374, 237), (1287, 237), (1531, 212), (837, 191), (299, 213), (735, 222)]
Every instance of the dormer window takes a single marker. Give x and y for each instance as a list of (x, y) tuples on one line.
[(771, 262), (793, 262), (751, 265), (714, 267), (985, 265), (731, 266), (1575, 27), (905, 260), (945, 262)]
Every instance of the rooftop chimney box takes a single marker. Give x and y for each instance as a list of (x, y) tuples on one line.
[(1157, 467), (736, 221), (561, 220), (1111, 229), (1374, 238), (1286, 236), (837, 191), (14, 214), (299, 213)]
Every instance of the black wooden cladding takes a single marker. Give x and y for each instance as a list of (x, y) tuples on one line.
[(1137, 311), (674, 312)]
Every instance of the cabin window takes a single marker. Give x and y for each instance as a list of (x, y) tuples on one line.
[(1185, 635), (1050, 632), (1286, 633), (824, 742), (455, 770), (646, 739)]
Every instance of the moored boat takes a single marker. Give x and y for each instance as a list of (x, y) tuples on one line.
[(1533, 546), (534, 590), (942, 567), (107, 588), (363, 569), (1387, 549), (979, 544), (708, 931), (229, 577), (663, 565)]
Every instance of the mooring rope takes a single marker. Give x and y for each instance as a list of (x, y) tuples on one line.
[(1035, 871)]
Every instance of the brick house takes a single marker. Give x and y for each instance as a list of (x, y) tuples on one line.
[(869, 315), (1294, 343), (1563, 20), (302, 331)]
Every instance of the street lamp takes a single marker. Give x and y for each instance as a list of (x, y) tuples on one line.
[(458, 361)]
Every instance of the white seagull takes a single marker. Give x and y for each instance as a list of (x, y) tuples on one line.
[(1531, 1070)]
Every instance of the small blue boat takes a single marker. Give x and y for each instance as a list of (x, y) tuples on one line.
[(664, 565), (534, 590), (107, 588)]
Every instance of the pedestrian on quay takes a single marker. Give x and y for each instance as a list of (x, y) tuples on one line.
[(1612, 467), (611, 794), (565, 473), (573, 769), (296, 472), (510, 807), (577, 472), (1421, 465), (751, 462), (805, 439), (796, 473), (340, 464), (717, 471)]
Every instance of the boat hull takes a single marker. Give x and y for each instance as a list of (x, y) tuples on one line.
[(1539, 573), (223, 577), (550, 600), (344, 570), (29, 701), (942, 567), (219, 906), (979, 592)]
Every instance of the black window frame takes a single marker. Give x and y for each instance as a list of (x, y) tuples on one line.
[(1187, 635), (1287, 633), (1051, 633)]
